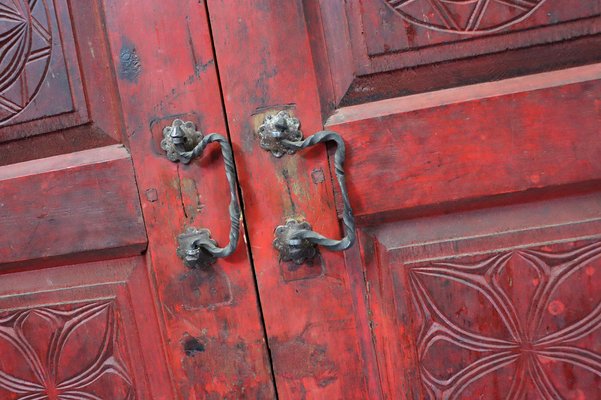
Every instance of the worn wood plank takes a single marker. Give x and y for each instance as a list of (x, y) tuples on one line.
[(482, 140), (105, 318), (70, 208), (265, 66), (164, 63)]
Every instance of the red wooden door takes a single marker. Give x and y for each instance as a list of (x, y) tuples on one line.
[(94, 302), (472, 133), (472, 166)]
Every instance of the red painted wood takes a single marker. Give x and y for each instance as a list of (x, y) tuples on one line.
[(164, 64), (505, 65), (81, 331), (308, 311), (77, 319), (365, 50), (144, 327), (486, 140), (476, 270), (386, 39), (442, 180), (45, 88), (480, 285), (70, 208), (76, 106)]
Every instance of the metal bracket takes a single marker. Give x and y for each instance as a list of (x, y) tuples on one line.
[(179, 139), (275, 129), (183, 143), (296, 241), (193, 246), (290, 248)]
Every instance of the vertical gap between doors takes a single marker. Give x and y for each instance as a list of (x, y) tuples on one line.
[(241, 199)]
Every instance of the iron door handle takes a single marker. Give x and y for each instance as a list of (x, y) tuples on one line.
[(296, 241), (182, 142)]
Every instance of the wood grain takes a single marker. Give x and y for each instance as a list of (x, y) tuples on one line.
[(308, 310), (163, 60), (481, 140), (80, 206), (83, 331), (481, 176), (493, 283)]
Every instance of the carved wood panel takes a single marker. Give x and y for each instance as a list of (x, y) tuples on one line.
[(459, 16), (526, 320), (499, 303), (46, 339), (368, 50), (86, 331), (400, 33), (39, 70), (25, 44)]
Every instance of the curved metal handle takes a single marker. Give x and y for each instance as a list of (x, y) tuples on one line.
[(296, 240), (182, 142)]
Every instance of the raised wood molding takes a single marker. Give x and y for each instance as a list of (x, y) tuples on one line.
[(493, 290), (539, 136), (81, 331), (75, 207), (461, 94)]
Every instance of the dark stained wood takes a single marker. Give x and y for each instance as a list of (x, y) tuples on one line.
[(164, 63), (81, 331), (70, 208)]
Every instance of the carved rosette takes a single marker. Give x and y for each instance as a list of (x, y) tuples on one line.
[(63, 352), (278, 127), (464, 16), (520, 318), (26, 47)]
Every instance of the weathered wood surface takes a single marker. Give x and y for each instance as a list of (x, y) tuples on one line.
[(70, 208), (165, 68), (484, 140), (81, 331), (265, 63), (504, 297), (529, 143)]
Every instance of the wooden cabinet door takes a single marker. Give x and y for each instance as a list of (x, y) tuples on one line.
[(473, 166), (94, 302)]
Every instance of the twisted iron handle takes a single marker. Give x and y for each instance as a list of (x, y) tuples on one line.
[(196, 247), (348, 219), (295, 240)]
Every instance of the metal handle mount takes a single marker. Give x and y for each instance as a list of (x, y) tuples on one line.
[(296, 241), (182, 142)]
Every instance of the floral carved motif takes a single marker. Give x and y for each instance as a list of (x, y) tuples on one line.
[(464, 16), (25, 51), (522, 323), (62, 352)]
